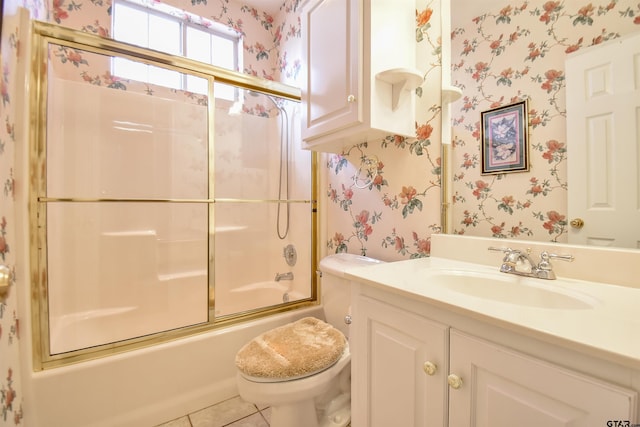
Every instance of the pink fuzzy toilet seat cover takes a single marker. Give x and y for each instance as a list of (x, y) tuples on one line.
[(295, 350)]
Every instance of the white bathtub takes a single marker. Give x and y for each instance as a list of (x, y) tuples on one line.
[(91, 328), (148, 386), (268, 293), (148, 313)]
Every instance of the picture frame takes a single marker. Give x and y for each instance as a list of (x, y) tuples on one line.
[(504, 141)]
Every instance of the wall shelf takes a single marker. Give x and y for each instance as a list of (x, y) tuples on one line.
[(401, 79), (450, 94)]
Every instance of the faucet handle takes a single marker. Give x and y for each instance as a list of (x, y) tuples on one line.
[(497, 249), (511, 256), (545, 258)]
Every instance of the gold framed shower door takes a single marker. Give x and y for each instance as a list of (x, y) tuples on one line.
[(44, 36)]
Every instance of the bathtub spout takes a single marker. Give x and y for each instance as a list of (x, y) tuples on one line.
[(284, 276)]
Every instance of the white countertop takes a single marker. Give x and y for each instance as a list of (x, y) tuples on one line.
[(609, 328)]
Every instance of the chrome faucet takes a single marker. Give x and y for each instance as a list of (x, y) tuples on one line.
[(284, 276), (518, 262)]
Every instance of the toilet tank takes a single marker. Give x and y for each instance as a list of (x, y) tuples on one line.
[(335, 291)]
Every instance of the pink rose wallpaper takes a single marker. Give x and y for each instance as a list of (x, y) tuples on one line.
[(507, 54)]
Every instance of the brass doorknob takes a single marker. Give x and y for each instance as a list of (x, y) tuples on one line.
[(577, 223), (5, 280)]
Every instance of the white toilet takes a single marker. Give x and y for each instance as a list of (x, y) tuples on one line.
[(320, 395)]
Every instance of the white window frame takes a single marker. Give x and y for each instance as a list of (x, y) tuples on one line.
[(167, 12)]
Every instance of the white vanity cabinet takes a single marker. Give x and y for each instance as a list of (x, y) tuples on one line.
[(359, 70), (411, 370)]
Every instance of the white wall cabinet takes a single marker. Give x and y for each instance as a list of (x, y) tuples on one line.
[(360, 71), (410, 370)]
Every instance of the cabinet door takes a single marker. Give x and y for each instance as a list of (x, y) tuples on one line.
[(502, 388), (390, 385), (331, 35)]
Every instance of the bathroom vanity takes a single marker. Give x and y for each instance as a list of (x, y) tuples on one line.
[(445, 342)]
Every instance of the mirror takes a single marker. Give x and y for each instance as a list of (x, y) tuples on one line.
[(501, 54)]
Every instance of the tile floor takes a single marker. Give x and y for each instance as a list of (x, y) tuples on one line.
[(234, 412)]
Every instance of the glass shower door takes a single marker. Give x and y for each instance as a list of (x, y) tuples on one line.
[(147, 225), (263, 210), (126, 204)]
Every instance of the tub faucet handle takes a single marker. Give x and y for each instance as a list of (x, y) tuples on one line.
[(284, 276)]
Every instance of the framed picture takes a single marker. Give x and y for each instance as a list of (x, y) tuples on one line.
[(505, 139)]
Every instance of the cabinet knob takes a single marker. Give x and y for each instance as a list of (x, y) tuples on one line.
[(429, 368), (351, 98), (454, 381), (348, 319)]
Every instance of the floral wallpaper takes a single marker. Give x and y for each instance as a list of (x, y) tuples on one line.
[(390, 211), (516, 50), (11, 136)]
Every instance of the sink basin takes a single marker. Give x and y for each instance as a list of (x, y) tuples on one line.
[(511, 289)]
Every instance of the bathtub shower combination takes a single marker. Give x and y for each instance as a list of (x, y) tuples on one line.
[(166, 204)]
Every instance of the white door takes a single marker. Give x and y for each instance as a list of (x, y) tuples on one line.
[(603, 134)]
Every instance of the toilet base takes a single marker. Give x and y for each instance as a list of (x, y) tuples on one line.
[(302, 413), (337, 413)]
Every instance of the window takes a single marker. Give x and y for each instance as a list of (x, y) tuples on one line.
[(163, 28)]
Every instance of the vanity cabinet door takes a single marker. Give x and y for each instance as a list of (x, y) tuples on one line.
[(503, 388), (399, 367)]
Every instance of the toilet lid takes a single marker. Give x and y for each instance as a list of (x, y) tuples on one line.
[(295, 350)]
